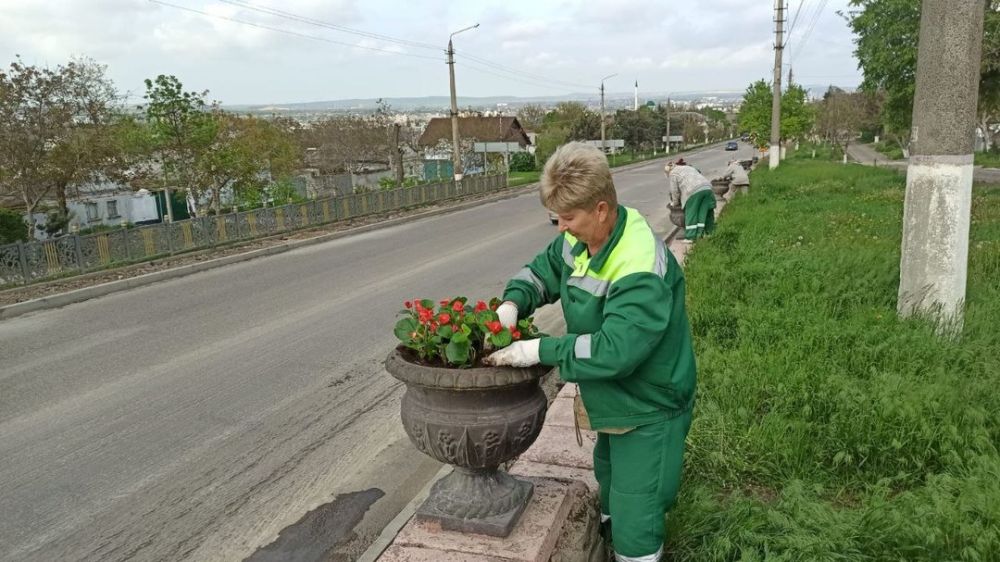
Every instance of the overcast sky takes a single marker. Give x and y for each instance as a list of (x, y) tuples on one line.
[(555, 46)]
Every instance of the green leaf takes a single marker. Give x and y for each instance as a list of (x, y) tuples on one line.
[(502, 339), (460, 337), (404, 328), (445, 332), (427, 303), (457, 352)]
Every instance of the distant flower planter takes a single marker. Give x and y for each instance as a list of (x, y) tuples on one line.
[(677, 217), (720, 187), (475, 419)]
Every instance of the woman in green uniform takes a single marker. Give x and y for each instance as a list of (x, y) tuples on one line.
[(628, 345), (693, 192)]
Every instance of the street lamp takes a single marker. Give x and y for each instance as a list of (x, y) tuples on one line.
[(456, 156), (604, 142)]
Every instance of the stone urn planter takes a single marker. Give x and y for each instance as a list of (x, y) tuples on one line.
[(677, 217), (474, 419), (720, 187)]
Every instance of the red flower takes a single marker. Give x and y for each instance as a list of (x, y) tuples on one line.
[(481, 306), (434, 326), (494, 327), (444, 318), (516, 334), (444, 302), (425, 315), (408, 304), (458, 306)]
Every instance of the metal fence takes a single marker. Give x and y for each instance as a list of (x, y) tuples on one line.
[(26, 262)]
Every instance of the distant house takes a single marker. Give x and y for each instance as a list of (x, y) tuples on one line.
[(437, 142), (106, 204)]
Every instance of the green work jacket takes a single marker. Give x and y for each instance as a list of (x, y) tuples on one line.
[(628, 341)]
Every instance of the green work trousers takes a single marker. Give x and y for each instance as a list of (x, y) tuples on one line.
[(699, 215), (639, 473)]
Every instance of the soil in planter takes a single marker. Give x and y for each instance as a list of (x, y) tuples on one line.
[(411, 357)]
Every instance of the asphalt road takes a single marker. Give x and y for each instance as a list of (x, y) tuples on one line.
[(196, 418)]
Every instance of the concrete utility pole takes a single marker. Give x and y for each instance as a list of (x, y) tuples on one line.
[(456, 154), (668, 126), (936, 213), (775, 152), (604, 140), (399, 156)]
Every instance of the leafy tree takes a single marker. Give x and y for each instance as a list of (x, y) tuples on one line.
[(531, 116), (522, 162), (841, 116), (639, 128), (797, 116), (886, 34), (54, 125), (179, 129), (247, 155), (195, 145), (12, 227), (755, 113)]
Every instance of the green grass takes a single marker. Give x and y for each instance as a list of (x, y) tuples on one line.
[(890, 149), (826, 427), (522, 178), (988, 159)]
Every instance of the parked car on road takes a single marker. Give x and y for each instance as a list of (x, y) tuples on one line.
[(732, 145)]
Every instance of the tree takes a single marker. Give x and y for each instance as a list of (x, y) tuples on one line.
[(53, 130), (755, 113), (638, 128), (247, 155), (180, 128), (841, 116), (886, 47), (12, 227), (531, 116), (797, 117)]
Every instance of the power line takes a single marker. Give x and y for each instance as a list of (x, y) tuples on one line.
[(795, 19), (419, 44), (472, 65), (294, 33), (809, 30), (517, 71), (320, 23)]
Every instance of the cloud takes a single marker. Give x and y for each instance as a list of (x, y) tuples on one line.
[(718, 57)]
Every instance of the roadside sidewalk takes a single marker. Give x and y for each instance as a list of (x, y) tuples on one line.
[(865, 154)]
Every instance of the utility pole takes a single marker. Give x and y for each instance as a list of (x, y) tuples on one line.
[(936, 212), (456, 154), (635, 104), (775, 152), (604, 140), (399, 156), (668, 126)]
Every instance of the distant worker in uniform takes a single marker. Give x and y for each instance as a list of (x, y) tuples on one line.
[(737, 176), (692, 192)]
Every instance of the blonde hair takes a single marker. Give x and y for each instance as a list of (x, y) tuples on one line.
[(577, 176)]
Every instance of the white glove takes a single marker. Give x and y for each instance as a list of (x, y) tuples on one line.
[(508, 314), (518, 354)]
